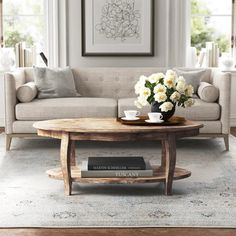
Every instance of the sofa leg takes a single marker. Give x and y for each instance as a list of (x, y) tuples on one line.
[(8, 142), (226, 140)]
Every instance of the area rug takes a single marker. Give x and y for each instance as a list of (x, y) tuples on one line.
[(28, 198)]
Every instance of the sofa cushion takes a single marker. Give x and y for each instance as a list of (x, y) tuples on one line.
[(200, 111), (55, 83), (27, 92), (194, 77), (208, 92), (57, 108)]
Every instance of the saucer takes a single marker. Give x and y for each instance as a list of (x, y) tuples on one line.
[(124, 118), (155, 122)]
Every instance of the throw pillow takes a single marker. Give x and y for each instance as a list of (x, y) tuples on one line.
[(194, 77), (55, 83), (208, 92), (27, 92)]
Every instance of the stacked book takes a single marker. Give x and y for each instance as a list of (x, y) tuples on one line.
[(209, 56), (25, 57), (115, 167)]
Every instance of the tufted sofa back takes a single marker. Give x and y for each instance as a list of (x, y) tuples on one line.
[(110, 82)]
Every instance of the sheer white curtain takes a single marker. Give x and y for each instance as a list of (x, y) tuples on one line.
[(1, 25), (233, 32)]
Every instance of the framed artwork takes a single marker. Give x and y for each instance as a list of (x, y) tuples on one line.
[(117, 27)]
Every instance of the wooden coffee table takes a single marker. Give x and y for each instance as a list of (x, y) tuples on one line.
[(109, 129)]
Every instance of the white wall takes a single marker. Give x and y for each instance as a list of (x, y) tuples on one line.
[(170, 37)]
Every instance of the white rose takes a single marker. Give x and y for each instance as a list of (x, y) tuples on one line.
[(169, 81), (181, 79), (189, 102), (166, 106), (145, 92), (160, 97), (159, 89), (181, 87), (142, 101), (175, 97), (189, 90)]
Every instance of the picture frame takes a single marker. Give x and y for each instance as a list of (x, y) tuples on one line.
[(117, 27)]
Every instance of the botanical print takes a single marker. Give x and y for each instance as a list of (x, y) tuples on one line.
[(120, 20)]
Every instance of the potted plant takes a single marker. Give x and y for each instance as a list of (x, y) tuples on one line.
[(163, 92)]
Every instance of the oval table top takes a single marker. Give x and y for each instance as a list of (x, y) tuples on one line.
[(108, 125)]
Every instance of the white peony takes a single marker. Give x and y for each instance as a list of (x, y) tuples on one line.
[(160, 97), (139, 86), (189, 90), (166, 106), (181, 79), (189, 102), (159, 89), (155, 78), (169, 82), (175, 97), (142, 101), (145, 92), (170, 73), (181, 86)]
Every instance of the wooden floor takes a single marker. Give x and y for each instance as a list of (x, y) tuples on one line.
[(119, 232), (1, 130), (233, 131)]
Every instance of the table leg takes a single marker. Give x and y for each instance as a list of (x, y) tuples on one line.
[(72, 153), (163, 154), (65, 162), (170, 161)]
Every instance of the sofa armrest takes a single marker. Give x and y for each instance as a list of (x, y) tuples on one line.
[(223, 82), (11, 82)]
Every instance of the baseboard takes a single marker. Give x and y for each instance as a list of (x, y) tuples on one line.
[(2, 122)]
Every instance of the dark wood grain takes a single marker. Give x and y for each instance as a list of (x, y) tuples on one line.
[(170, 151), (117, 232)]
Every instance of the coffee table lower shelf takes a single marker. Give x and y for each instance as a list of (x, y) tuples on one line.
[(159, 176)]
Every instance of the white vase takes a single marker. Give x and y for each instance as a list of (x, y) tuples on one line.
[(227, 61)]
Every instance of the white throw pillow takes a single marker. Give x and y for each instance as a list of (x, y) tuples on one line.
[(27, 92), (54, 83), (208, 92)]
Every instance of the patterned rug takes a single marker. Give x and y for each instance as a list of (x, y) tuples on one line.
[(29, 198)]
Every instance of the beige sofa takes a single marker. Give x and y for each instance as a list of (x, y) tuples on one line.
[(107, 92)]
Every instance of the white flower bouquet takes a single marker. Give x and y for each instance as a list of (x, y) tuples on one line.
[(166, 90)]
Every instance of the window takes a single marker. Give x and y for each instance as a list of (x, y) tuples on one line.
[(25, 21), (211, 22)]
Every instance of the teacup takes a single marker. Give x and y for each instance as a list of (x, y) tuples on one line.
[(155, 116), (131, 114)]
